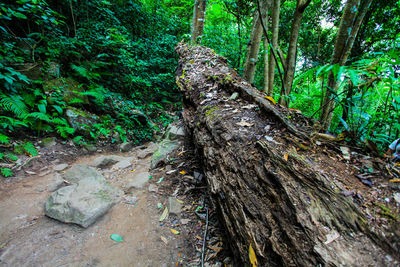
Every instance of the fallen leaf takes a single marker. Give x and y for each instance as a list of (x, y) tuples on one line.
[(160, 180), (116, 238), (216, 249), (394, 180), (252, 256), (29, 172), (182, 172), (180, 201), (286, 157), (331, 237), (185, 221), (199, 237), (175, 232), (164, 240), (133, 170), (164, 214), (271, 99), (180, 153), (244, 124)]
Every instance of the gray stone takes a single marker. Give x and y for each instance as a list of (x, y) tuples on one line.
[(60, 167), (123, 164), (125, 147), (234, 96), (171, 140), (48, 142), (138, 180), (79, 172), (57, 184), (165, 148), (174, 207), (153, 188), (90, 147), (81, 120), (142, 154), (82, 203), (105, 161)]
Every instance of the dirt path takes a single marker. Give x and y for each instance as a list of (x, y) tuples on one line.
[(29, 238)]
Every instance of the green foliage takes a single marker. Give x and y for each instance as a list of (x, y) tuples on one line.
[(6, 172)]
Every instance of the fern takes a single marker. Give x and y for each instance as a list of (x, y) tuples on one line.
[(64, 131), (30, 149), (10, 123), (4, 139), (6, 172), (39, 116), (13, 103)]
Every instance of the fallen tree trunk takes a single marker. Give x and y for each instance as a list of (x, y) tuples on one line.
[(270, 196)]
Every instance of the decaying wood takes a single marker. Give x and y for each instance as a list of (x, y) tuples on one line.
[(268, 195)]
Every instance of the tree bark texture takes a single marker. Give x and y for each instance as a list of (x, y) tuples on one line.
[(199, 14), (353, 15), (274, 42), (292, 51), (268, 195), (253, 46), (266, 66)]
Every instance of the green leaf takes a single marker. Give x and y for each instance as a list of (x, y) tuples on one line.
[(116, 238), (6, 172)]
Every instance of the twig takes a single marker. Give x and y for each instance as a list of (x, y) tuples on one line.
[(204, 240)]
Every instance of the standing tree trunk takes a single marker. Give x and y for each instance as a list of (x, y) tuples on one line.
[(292, 51), (253, 46), (353, 15), (275, 35), (199, 13), (266, 65)]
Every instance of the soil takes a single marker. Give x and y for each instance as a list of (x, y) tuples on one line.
[(29, 238)]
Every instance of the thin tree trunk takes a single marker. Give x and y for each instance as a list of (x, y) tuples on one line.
[(350, 23), (253, 48), (275, 35), (266, 65), (199, 12), (292, 51)]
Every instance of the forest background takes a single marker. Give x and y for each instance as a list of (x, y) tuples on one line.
[(112, 65)]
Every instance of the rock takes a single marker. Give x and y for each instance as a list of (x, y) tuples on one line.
[(144, 153), (48, 142), (68, 87), (174, 207), (44, 173), (125, 147), (396, 197), (172, 139), (234, 96), (153, 188), (57, 184), (138, 180), (60, 167), (90, 147), (105, 161), (81, 120), (82, 203), (123, 164), (79, 172)]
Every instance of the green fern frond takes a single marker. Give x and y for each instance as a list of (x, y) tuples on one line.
[(30, 149), (4, 139), (13, 103), (38, 116), (64, 131), (6, 172), (10, 123)]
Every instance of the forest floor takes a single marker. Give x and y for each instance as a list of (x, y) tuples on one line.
[(29, 238)]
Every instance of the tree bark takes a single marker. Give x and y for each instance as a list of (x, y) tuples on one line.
[(292, 51), (266, 66), (274, 42), (253, 46), (353, 15), (268, 195), (199, 13)]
